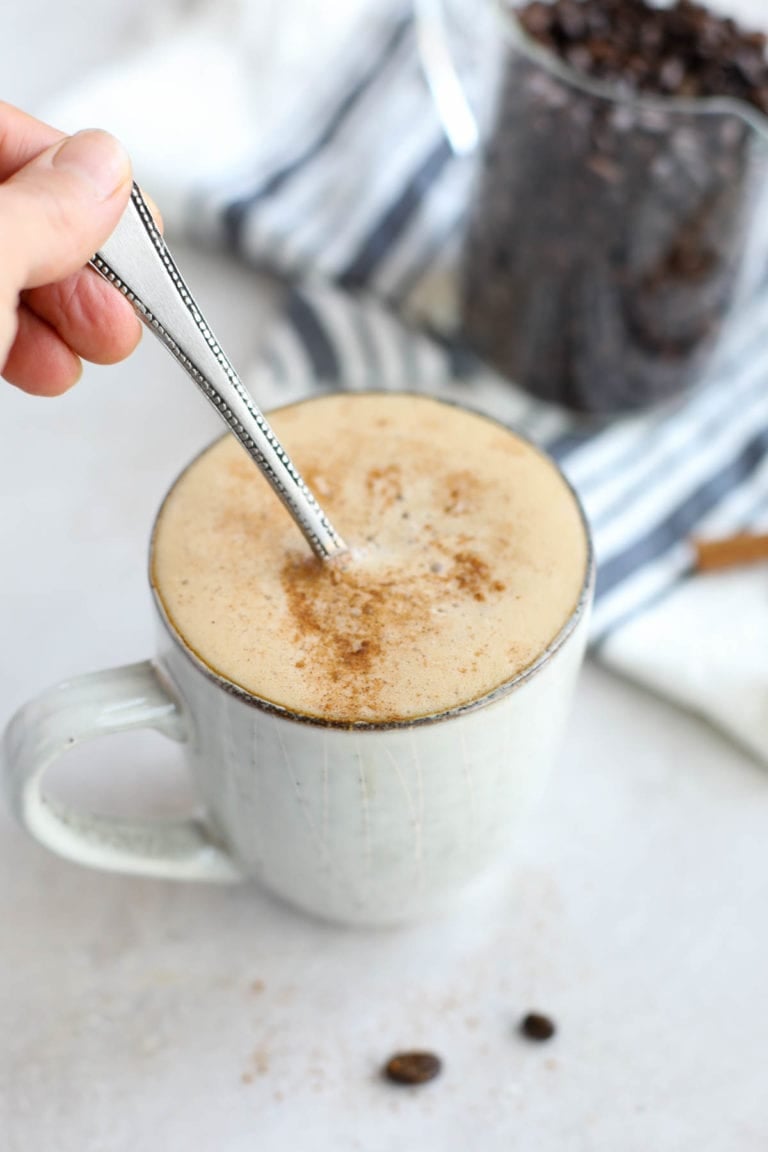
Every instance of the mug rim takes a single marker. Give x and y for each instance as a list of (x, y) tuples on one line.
[(501, 691)]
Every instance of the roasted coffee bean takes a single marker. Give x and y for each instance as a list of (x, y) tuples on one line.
[(536, 18), (537, 1026), (412, 1067), (677, 44), (570, 19)]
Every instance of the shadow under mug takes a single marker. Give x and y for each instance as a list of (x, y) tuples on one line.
[(363, 824)]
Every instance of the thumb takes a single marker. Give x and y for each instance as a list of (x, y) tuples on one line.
[(58, 209)]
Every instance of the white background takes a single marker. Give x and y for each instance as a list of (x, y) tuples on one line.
[(137, 1014)]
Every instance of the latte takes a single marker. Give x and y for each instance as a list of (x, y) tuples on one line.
[(467, 556)]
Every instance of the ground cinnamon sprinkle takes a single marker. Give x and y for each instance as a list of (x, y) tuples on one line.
[(385, 484), (730, 551), (344, 616), (340, 622), (473, 575)]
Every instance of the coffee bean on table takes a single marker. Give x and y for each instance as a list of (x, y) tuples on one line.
[(412, 1067), (536, 1026)]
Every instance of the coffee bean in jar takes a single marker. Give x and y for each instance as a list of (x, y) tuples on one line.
[(618, 200)]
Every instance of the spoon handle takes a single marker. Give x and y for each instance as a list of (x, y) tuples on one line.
[(137, 261)]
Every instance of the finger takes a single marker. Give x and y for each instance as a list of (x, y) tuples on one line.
[(59, 208), (39, 361), (22, 137), (156, 213), (90, 315)]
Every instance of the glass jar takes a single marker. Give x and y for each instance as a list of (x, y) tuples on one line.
[(610, 237)]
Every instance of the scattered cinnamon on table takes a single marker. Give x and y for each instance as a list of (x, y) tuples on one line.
[(730, 551)]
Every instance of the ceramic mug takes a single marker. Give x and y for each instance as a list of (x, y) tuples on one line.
[(374, 823)]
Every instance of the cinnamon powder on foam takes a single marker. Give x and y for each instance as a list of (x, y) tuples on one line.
[(467, 556)]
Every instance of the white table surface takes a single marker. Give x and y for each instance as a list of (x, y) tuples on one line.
[(136, 1014)]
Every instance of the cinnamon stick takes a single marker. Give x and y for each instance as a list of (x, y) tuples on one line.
[(730, 551)]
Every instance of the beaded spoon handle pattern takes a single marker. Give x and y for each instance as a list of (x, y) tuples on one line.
[(136, 260)]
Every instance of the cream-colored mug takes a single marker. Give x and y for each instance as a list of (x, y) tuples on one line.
[(375, 823)]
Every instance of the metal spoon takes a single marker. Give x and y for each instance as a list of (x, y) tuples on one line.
[(136, 260)]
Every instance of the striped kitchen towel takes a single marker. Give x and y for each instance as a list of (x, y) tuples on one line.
[(354, 196)]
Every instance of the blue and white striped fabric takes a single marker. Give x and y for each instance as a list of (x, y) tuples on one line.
[(353, 196)]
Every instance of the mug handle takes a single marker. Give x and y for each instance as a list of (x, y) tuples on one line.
[(98, 703)]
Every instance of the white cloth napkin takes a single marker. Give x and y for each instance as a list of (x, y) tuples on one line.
[(310, 145)]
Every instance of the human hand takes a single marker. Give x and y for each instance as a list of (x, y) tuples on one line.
[(60, 198)]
